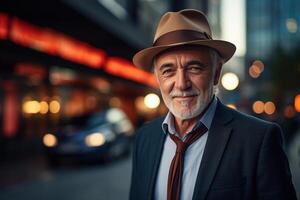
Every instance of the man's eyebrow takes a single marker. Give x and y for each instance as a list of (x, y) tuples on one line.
[(195, 62)]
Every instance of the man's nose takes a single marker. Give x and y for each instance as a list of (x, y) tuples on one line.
[(182, 80)]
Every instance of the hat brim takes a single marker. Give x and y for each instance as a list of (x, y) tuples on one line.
[(144, 58)]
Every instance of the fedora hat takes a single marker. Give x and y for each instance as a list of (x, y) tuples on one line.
[(185, 27)]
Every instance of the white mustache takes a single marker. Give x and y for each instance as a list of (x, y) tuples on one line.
[(176, 93)]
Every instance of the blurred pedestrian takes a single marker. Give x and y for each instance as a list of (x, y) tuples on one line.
[(202, 149)]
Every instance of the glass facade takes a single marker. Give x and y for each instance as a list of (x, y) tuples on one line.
[(271, 24)]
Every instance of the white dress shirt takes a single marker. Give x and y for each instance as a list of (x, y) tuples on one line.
[(192, 158)]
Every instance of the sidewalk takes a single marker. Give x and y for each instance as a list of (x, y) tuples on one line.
[(13, 172)]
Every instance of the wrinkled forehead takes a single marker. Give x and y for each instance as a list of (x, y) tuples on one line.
[(196, 52)]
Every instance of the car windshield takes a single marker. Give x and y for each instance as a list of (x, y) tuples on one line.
[(89, 120)]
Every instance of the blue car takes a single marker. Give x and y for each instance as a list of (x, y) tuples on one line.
[(103, 135)]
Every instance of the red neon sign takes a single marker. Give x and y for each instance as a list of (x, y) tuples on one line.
[(125, 69), (57, 44), (3, 25), (31, 70), (10, 110)]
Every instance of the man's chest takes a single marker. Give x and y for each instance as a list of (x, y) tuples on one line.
[(192, 161)]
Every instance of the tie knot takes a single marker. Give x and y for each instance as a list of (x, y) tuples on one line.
[(180, 145)]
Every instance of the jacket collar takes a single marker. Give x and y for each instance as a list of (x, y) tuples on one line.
[(217, 140)]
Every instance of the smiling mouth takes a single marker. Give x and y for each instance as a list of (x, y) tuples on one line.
[(184, 97)]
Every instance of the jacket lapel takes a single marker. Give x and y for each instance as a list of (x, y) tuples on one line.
[(218, 136), (155, 159)]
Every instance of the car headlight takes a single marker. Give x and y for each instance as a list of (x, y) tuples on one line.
[(49, 140), (95, 139)]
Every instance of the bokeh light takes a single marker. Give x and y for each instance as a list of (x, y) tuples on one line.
[(54, 106), (269, 107), (291, 25), (258, 107), (31, 107), (152, 100), (297, 103), (44, 107), (95, 139), (256, 68), (230, 81), (49, 140), (231, 105)]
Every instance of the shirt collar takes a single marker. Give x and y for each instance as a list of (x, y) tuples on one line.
[(168, 123)]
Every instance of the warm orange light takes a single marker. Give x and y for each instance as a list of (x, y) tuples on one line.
[(256, 68), (4, 20), (258, 107), (253, 73), (44, 107), (80, 52), (31, 70), (289, 111), (49, 140), (31, 107), (269, 108), (259, 65), (297, 103), (54, 106), (55, 43), (231, 105), (123, 68)]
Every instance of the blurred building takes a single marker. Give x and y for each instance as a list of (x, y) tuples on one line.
[(60, 59), (272, 60), (58, 63), (271, 24), (272, 32)]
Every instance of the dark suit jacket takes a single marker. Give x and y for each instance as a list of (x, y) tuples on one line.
[(243, 159)]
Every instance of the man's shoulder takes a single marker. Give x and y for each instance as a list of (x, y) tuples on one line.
[(239, 115), (249, 122), (152, 127), (157, 122)]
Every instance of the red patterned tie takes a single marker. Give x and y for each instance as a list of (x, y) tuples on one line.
[(176, 168)]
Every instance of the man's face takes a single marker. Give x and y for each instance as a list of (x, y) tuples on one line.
[(186, 76)]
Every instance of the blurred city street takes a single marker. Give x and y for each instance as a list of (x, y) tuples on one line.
[(32, 179), (69, 90)]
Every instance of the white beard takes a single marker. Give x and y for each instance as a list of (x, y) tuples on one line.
[(185, 111)]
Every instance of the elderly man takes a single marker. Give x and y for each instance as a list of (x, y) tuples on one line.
[(202, 149)]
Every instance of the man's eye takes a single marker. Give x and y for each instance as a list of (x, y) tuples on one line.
[(167, 71), (195, 68)]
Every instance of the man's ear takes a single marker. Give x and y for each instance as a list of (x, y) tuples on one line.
[(218, 73)]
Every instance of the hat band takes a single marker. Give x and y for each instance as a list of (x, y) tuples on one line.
[(180, 36)]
